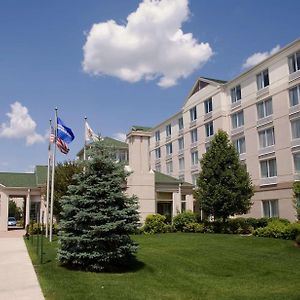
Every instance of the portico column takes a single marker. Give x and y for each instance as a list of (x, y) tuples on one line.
[(3, 211), (27, 213)]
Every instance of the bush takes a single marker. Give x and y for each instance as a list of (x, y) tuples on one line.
[(182, 219), (154, 224), (292, 231), (169, 228), (36, 228), (193, 227)]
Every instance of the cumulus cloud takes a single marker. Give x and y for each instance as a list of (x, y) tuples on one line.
[(256, 58), (120, 136), (151, 45), (20, 125)]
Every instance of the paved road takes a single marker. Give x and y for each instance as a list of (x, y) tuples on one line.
[(18, 280)]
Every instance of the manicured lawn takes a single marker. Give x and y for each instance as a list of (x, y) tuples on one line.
[(184, 266)]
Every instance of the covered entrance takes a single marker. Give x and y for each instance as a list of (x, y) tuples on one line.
[(27, 191)]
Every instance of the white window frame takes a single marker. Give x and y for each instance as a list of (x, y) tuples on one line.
[(208, 105), (260, 79), (209, 129), (295, 136), (169, 167), (157, 153), (263, 104), (168, 130), (295, 155), (268, 174), (193, 113), (238, 145), (234, 93), (271, 204), (181, 163), (264, 138), (194, 135), (157, 135), (169, 149), (294, 66), (195, 158), (181, 143), (237, 119), (180, 123), (293, 101)]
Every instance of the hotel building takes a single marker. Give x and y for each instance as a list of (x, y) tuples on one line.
[(259, 109)]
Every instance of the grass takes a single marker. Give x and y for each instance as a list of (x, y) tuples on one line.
[(184, 266)]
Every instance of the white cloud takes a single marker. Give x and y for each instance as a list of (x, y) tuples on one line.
[(256, 58), (120, 136), (151, 45), (20, 125)]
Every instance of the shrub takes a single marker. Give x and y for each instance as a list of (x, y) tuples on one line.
[(36, 228), (193, 227), (154, 224), (169, 228), (182, 219), (292, 231)]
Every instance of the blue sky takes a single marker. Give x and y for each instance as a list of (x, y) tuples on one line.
[(41, 56)]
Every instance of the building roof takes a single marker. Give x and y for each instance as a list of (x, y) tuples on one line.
[(161, 178), (36, 179), (140, 128), (215, 80)]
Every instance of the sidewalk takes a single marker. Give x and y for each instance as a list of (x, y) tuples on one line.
[(18, 280)]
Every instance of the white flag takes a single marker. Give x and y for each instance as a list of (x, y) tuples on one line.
[(90, 135)]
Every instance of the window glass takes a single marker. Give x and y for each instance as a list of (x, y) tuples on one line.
[(295, 129), (193, 114), (181, 143), (180, 123), (294, 95), (297, 162)]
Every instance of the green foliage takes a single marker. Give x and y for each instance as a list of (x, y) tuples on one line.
[(36, 228), (64, 173), (279, 229), (193, 227), (182, 219), (155, 223), (224, 186), (97, 216), (298, 239), (296, 189), (14, 210)]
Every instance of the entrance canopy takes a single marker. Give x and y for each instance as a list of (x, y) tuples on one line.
[(30, 186)]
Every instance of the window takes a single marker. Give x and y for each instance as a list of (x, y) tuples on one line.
[(270, 208), (297, 162), (194, 179), (193, 113), (157, 135), (181, 144), (169, 166), (158, 168), (262, 79), (266, 137), (183, 203), (157, 153), (240, 145), (194, 135), (264, 108), (295, 129), (169, 149), (180, 123), (237, 119), (194, 156), (168, 130), (294, 62), (208, 105), (236, 94), (268, 168), (181, 164), (294, 95), (209, 129)]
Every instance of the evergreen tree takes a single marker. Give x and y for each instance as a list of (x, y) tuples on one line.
[(224, 186), (97, 216)]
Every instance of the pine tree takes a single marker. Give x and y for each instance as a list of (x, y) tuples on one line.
[(224, 186), (97, 216)]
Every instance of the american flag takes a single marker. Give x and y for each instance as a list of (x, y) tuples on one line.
[(62, 146), (52, 135)]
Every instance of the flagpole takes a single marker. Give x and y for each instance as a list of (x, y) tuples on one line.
[(48, 182), (84, 149), (52, 182)]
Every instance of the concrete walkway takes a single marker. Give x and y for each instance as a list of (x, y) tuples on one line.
[(18, 280)]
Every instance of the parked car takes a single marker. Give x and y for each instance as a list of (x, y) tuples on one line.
[(12, 221)]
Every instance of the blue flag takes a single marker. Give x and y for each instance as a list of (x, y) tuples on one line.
[(63, 132)]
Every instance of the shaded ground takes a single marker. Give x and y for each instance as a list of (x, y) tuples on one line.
[(185, 266)]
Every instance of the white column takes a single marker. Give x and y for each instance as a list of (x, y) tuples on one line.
[(3, 211), (176, 203), (27, 213)]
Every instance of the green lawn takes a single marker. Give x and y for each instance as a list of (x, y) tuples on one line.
[(184, 266)]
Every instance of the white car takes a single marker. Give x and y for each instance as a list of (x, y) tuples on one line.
[(11, 221)]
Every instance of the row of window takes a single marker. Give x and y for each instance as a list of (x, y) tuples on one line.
[(262, 78)]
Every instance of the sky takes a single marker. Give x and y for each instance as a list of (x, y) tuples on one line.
[(120, 62)]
